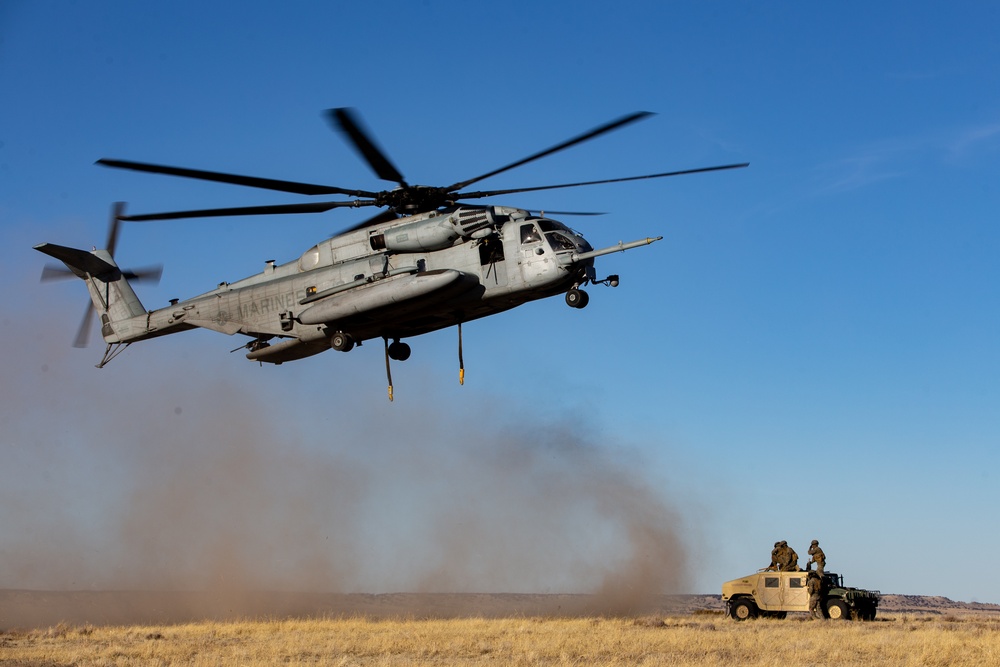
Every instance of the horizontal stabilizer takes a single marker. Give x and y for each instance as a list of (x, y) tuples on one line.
[(79, 262)]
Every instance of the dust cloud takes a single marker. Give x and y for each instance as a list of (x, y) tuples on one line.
[(145, 476)]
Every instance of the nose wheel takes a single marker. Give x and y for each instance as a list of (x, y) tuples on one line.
[(577, 298)]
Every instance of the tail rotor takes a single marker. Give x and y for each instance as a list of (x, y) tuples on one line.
[(52, 272)]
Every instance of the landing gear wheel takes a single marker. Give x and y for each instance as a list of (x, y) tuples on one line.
[(341, 342), (837, 610), (576, 298), (399, 351), (743, 610)]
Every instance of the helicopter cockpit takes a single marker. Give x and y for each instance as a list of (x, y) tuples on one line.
[(559, 237)]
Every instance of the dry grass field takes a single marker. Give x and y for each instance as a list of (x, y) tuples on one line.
[(690, 639)]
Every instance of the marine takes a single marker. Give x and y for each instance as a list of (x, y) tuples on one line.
[(790, 563), (818, 557), (814, 584), (775, 557), (784, 558)]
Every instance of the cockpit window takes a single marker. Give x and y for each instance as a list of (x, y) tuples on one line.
[(559, 242), (550, 225), (556, 226), (529, 234)]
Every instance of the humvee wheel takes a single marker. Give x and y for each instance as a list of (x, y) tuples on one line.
[(743, 610), (837, 610)]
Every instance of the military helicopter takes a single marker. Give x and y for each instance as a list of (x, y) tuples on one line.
[(427, 262)]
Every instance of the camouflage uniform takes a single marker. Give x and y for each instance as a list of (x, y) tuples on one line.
[(790, 560), (818, 557), (814, 584), (775, 557)]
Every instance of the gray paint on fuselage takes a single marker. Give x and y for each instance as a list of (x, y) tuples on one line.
[(256, 305)]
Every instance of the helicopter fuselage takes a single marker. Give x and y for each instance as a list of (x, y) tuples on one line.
[(403, 278)]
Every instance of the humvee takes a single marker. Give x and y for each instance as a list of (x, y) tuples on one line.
[(774, 594)]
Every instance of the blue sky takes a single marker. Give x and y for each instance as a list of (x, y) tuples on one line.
[(811, 352)]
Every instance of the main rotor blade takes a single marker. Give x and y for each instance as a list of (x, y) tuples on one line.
[(384, 216), (545, 211), (250, 181), (316, 207), (345, 120), (596, 132), (493, 193)]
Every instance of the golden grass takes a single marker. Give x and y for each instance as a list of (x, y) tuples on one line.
[(682, 640)]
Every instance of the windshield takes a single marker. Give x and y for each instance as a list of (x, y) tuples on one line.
[(556, 226), (559, 242)]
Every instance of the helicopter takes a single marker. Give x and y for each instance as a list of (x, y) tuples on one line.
[(428, 261)]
